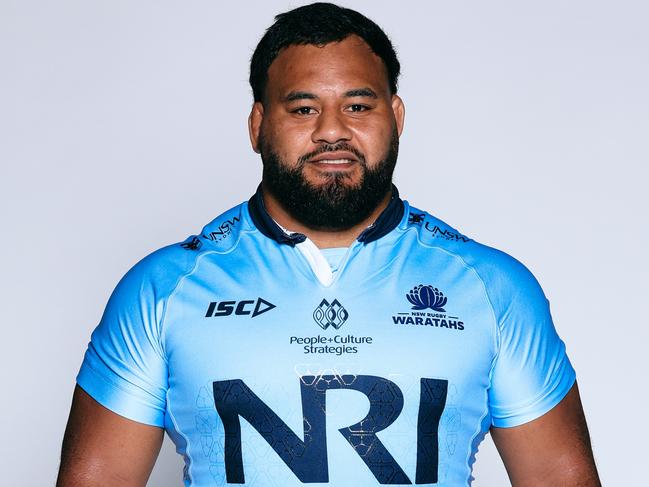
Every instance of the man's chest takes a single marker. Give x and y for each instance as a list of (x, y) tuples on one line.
[(257, 322), (303, 375)]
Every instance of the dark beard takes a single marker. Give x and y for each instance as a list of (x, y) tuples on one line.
[(335, 204)]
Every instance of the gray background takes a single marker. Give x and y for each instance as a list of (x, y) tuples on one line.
[(123, 128)]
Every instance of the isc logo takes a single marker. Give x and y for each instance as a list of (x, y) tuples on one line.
[(245, 307), (307, 457)]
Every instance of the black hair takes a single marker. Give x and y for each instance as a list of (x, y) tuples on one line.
[(319, 24)]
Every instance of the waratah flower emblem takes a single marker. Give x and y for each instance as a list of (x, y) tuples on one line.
[(422, 297)]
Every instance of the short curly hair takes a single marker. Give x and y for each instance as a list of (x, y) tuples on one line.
[(319, 24)]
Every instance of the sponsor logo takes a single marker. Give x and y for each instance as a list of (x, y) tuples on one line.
[(445, 233), (330, 314), (416, 218), (245, 307), (336, 345), (223, 231), (305, 453), (193, 244), (423, 297)]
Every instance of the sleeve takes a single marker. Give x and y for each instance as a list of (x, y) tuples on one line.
[(124, 368), (532, 372)]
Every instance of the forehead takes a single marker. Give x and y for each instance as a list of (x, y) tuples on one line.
[(337, 67)]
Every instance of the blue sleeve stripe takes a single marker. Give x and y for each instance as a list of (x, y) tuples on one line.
[(536, 409), (121, 399)]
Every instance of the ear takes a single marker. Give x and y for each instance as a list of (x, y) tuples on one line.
[(254, 124), (399, 110)]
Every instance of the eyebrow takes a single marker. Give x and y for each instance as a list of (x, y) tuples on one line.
[(366, 92), (305, 95), (300, 95)]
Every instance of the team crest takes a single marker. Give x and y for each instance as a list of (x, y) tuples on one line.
[(422, 297), (425, 297)]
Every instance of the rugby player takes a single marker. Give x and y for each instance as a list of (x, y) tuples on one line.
[(326, 331)]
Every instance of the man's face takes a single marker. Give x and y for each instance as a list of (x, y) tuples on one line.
[(328, 132)]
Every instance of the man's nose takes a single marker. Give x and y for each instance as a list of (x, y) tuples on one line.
[(331, 127)]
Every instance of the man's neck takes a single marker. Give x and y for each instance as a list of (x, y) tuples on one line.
[(322, 238)]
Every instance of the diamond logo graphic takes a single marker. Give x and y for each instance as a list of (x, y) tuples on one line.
[(330, 314)]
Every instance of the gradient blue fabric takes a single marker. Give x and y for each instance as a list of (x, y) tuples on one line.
[(264, 375)]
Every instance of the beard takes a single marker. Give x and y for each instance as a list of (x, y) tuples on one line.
[(337, 203)]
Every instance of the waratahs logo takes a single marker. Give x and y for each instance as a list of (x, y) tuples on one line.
[(422, 297)]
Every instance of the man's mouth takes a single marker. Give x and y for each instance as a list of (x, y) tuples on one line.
[(335, 161), (335, 158)]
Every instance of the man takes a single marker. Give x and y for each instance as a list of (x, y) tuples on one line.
[(326, 303)]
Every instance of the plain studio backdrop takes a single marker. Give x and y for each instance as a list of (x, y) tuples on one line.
[(123, 129)]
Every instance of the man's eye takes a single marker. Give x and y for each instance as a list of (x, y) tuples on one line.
[(303, 111), (358, 108)]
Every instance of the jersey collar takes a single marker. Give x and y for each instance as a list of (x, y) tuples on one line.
[(384, 224)]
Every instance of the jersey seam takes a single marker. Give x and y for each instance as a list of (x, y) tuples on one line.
[(540, 399), (166, 303), (181, 278), (497, 338), (116, 384), (120, 386), (496, 320), (187, 442)]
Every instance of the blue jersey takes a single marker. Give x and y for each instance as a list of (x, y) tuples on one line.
[(270, 363)]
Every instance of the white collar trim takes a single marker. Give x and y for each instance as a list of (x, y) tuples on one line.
[(314, 257)]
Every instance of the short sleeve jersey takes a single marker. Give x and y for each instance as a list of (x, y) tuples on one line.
[(268, 369)]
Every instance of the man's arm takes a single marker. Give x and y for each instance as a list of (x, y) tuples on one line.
[(101, 448), (552, 450)]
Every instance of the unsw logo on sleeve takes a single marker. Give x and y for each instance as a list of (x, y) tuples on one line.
[(426, 297)]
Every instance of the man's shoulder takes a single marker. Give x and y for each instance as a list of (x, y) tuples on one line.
[(163, 268), (497, 269)]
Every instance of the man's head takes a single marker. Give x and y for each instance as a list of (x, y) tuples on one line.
[(326, 118)]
